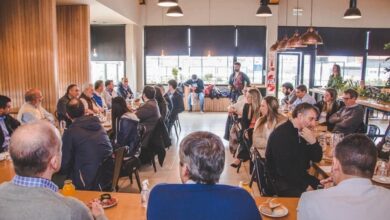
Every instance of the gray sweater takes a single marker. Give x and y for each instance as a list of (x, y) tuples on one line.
[(18, 202), (348, 119)]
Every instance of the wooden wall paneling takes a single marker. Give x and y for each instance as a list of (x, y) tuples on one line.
[(73, 45), (28, 47)]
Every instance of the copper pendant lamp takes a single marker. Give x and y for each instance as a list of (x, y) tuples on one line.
[(295, 41), (311, 37)]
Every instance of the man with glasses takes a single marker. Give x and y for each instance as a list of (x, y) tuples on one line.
[(349, 119)]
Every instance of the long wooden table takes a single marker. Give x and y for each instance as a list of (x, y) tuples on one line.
[(6, 171), (129, 205)]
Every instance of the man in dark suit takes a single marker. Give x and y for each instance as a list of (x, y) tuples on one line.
[(7, 123), (202, 158), (177, 103)]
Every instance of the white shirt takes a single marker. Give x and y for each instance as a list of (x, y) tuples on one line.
[(355, 199), (107, 97), (29, 113)]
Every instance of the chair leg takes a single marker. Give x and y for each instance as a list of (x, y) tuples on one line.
[(177, 135), (179, 125), (131, 177), (138, 180)]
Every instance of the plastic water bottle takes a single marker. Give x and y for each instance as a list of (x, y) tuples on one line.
[(145, 193)]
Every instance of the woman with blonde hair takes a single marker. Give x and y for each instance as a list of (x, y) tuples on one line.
[(269, 120), (250, 114)]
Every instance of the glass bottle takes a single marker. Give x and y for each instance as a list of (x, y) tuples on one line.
[(69, 189)]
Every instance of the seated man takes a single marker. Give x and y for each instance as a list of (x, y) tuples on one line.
[(109, 93), (290, 148), (196, 89), (7, 123), (303, 96), (148, 113), (124, 89), (72, 92), (349, 119), (202, 158), (177, 103), (354, 196), (32, 109), (289, 93), (85, 146), (90, 105), (98, 94), (35, 150)]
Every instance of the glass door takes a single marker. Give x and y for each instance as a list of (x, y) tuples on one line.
[(288, 70)]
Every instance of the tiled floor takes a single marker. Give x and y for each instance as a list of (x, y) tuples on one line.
[(213, 122), (169, 173)]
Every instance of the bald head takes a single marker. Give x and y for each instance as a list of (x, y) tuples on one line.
[(32, 147), (33, 96)]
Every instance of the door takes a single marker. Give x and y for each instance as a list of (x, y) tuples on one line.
[(288, 70)]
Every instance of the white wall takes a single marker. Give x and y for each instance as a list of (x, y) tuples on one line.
[(127, 8)]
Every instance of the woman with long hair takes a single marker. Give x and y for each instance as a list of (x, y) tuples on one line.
[(250, 114), (335, 78), (269, 120), (124, 126), (327, 106)]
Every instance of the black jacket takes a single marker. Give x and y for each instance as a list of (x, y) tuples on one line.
[(288, 158), (177, 105), (85, 146), (148, 115), (124, 92), (127, 133), (11, 125), (61, 110), (336, 106)]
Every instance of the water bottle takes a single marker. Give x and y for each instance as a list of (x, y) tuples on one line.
[(145, 193)]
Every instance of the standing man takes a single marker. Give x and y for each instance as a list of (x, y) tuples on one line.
[(290, 149), (7, 123), (196, 89), (72, 92), (109, 93), (124, 89), (32, 109), (237, 81), (177, 103)]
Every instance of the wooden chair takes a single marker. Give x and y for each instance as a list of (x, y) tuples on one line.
[(119, 154)]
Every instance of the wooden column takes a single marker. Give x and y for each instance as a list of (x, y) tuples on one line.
[(73, 45), (28, 49)]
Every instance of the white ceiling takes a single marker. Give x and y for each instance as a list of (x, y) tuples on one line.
[(99, 13)]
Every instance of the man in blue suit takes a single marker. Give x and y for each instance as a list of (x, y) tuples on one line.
[(202, 158)]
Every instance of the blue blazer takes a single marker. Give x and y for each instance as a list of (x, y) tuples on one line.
[(200, 202)]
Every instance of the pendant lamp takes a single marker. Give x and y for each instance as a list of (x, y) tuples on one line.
[(167, 3), (352, 12), (264, 10), (311, 37), (295, 41), (175, 12)]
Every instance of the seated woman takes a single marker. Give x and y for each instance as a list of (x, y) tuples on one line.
[(125, 126), (250, 114), (235, 109), (269, 120), (327, 107), (162, 104)]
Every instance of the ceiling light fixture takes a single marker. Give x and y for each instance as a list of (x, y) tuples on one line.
[(175, 12), (311, 37), (295, 41), (167, 3), (264, 10), (352, 12)]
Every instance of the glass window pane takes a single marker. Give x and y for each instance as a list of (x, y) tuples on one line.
[(104, 70), (375, 72), (253, 67)]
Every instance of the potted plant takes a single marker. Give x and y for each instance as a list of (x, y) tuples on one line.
[(364, 93), (383, 98), (175, 73)]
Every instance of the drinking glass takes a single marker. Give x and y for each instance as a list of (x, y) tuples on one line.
[(382, 168)]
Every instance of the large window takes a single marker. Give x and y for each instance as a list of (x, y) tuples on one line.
[(213, 69), (351, 68), (375, 72), (104, 70)]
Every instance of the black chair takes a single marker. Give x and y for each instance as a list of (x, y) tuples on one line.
[(177, 126), (132, 166), (119, 154), (373, 132), (259, 174), (104, 175)]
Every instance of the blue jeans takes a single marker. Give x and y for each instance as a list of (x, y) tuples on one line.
[(201, 100)]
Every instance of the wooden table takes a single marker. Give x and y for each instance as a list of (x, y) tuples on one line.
[(129, 205), (6, 171)]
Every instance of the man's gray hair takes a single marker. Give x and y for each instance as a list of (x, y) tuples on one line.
[(204, 153), (31, 147), (85, 86)]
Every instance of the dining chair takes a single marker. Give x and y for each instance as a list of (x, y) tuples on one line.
[(119, 155)]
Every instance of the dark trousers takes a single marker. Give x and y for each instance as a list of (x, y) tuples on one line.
[(234, 94)]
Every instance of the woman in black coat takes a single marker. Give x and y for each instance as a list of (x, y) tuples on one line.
[(328, 106)]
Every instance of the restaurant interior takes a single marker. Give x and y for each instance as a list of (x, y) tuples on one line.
[(240, 71)]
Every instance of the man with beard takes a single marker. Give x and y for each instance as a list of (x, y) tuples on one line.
[(237, 81), (290, 149), (289, 93)]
